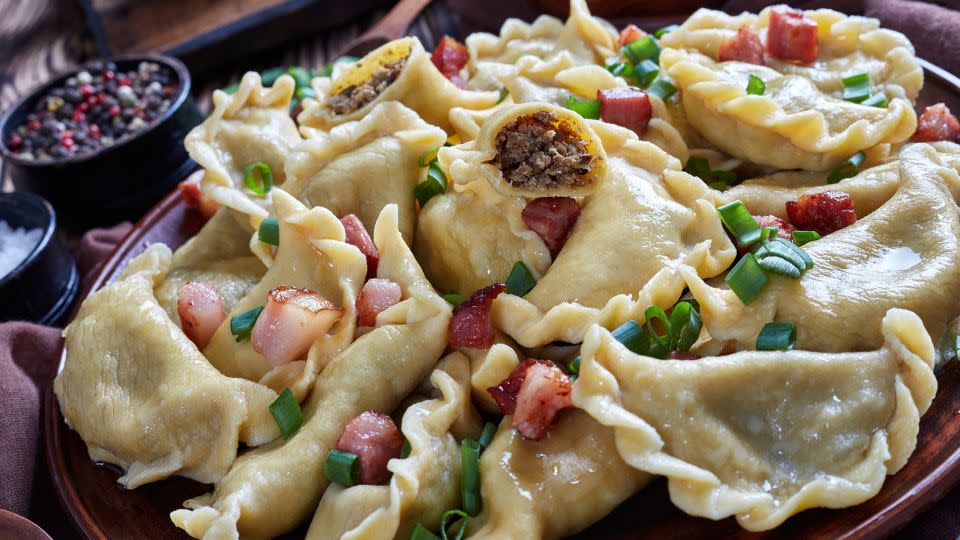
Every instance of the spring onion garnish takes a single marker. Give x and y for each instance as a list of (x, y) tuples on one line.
[(621, 68), (777, 337), (300, 75), (242, 324), (489, 430), (503, 95), (737, 219), (270, 76), (428, 157), (777, 265), (454, 299), (587, 108), (421, 533), (685, 326), (633, 337), (470, 476), (856, 88), (445, 521), (662, 88), (756, 86), (660, 342), (574, 366), (645, 48), (269, 232), (286, 412), (305, 92), (876, 100), (342, 468), (659, 33), (746, 279), (435, 184), (781, 249), (266, 178), (768, 233), (232, 88), (646, 72), (700, 167), (405, 449), (848, 168), (520, 280), (805, 237)]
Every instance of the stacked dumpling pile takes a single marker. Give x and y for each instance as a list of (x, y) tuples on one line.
[(723, 253)]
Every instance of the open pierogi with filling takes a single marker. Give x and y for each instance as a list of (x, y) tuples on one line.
[(496, 289)]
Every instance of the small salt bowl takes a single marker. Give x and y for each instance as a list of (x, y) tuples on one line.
[(38, 276)]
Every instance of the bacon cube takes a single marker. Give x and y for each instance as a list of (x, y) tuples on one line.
[(375, 439), (450, 56), (552, 218), (630, 34), (936, 124), (377, 295), (201, 311), (628, 107), (822, 212), (357, 235), (470, 325), (792, 36), (291, 321), (743, 47), (534, 392)]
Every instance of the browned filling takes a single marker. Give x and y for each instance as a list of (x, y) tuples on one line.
[(353, 97), (534, 153)]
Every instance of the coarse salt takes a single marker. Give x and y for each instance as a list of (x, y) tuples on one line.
[(15, 245)]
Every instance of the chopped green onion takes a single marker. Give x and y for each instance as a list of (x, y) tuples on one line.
[(777, 337), (746, 279), (848, 168), (286, 412), (470, 476), (646, 72), (808, 262), (435, 184), (662, 88), (300, 75), (270, 76), (428, 157), (666, 29), (489, 430), (504, 92), (231, 89), (856, 88), (587, 108), (463, 525), (805, 237), (421, 533), (266, 178), (293, 104), (241, 325), (719, 186), (784, 250), (756, 86), (780, 266), (737, 219), (305, 92), (645, 48), (269, 232), (768, 233), (632, 336), (700, 167), (876, 100), (342, 468), (661, 342), (520, 281), (621, 69), (454, 299), (685, 326), (574, 366), (405, 449)]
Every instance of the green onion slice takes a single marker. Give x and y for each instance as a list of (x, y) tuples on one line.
[(503, 95), (646, 72), (666, 29), (269, 232), (305, 92), (270, 76), (768, 233), (444, 524), (342, 468), (241, 325), (645, 48), (746, 279), (520, 281), (737, 219), (435, 184), (856, 88), (621, 69), (661, 342), (796, 249), (780, 250), (777, 337), (454, 299), (662, 88), (574, 366), (805, 237), (780, 266), (848, 168), (232, 88), (489, 430), (428, 157), (633, 337), (876, 100), (266, 178), (405, 449), (700, 167), (300, 75), (286, 412), (756, 86), (470, 476), (685, 326), (421, 533), (587, 108)]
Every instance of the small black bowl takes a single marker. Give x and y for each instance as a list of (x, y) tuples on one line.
[(117, 182), (42, 288)]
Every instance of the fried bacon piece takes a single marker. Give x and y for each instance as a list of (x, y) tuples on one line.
[(743, 47), (470, 324), (291, 321), (936, 124), (534, 392), (822, 212), (630, 33), (201, 311), (358, 236), (784, 229), (194, 197), (552, 218), (628, 107), (792, 36), (376, 296), (450, 56), (376, 440)]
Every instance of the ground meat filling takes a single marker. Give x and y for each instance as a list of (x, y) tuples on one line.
[(354, 97), (534, 153)]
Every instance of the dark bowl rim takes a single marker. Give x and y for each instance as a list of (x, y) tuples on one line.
[(183, 93), (50, 228)]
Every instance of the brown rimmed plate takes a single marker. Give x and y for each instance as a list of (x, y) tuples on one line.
[(101, 509)]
